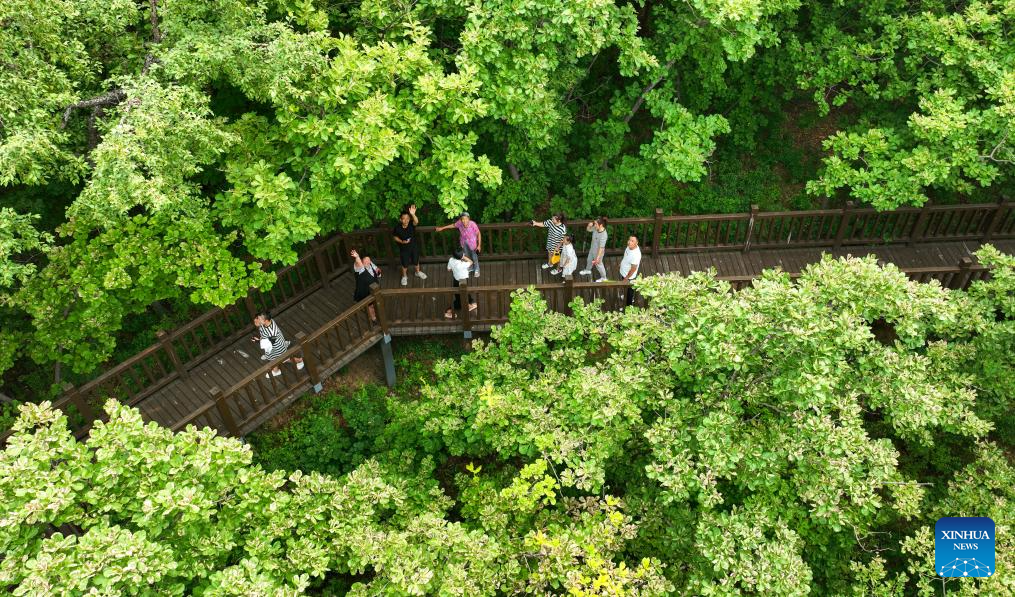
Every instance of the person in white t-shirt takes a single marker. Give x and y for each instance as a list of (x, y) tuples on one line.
[(629, 266), (568, 258), (459, 266)]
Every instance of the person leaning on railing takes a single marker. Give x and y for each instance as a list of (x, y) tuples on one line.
[(629, 267), (555, 231)]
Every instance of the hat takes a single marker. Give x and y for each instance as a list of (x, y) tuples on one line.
[(464, 214)]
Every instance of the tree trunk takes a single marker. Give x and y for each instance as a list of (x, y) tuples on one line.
[(161, 308)]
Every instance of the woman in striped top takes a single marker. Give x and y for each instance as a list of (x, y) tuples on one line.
[(272, 341), (555, 231)]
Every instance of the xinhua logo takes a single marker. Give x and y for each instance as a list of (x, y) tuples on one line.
[(964, 546)]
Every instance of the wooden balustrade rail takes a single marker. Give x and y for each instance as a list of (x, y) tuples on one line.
[(179, 351), (241, 405)]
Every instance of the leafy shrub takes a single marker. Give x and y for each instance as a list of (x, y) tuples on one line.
[(8, 414), (333, 435), (733, 190)]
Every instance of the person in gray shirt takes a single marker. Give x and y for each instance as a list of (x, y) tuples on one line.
[(597, 250)]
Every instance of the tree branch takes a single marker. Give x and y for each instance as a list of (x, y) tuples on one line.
[(153, 16), (117, 95), (106, 99), (651, 86), (999, 145)]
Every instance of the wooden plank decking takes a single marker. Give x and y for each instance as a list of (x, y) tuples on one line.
[(182, 397), (209, 373)]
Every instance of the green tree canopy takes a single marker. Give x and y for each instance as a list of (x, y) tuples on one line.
[(167, 147), (787, 439), (941, 80), (768, 440)]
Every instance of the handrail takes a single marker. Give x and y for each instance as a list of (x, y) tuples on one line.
[(232, 411), (161, 363), (247, 400), (343, 316)]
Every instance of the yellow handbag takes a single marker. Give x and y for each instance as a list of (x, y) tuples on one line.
[(555, 259)]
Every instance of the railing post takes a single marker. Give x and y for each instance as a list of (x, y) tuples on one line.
[(248, 302), (79, 402), (223, 408), (167, 345), (843, 221), (309, 362), (750, 226), (568, 294), (657, 232), (463, 292), (963, 278), (343, 251), (382, 319), (918, 226), (384, 238), (322, 267), (995, 219)]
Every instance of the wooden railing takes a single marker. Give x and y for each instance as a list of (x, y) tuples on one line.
[(234, 408), (405, 310), (179, 351)]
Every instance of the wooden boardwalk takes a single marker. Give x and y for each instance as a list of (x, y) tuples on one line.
[(180, 398), (209, 373)]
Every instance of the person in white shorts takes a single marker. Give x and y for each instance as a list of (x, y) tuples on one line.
[(629, 267)]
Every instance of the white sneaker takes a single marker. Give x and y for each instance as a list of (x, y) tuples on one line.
[(546, 266), (554, 271), (475, 274), (405, 280), (585, 272), (602, 280), (421, 275)]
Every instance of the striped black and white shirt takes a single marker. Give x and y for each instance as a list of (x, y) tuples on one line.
[(273, 334), (554, 234)]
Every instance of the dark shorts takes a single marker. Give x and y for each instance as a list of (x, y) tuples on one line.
[(408, 255)]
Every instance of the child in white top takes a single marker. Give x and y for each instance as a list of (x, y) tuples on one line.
[(568, 258)]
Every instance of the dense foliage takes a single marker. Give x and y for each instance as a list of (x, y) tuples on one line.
[(148, 150), (787, 439)]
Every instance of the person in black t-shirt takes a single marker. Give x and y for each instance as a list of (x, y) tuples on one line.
[(404, 233)]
